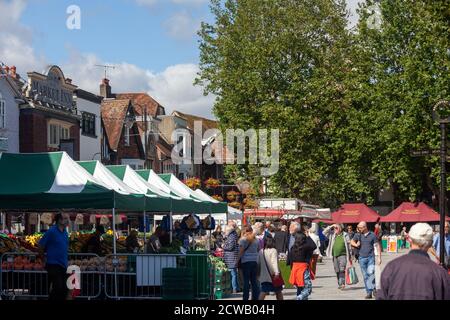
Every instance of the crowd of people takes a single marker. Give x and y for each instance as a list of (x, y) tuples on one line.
[(253, 256), (255, 253)]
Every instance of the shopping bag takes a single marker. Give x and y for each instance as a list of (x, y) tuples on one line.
[(277, 281), (350, 275)]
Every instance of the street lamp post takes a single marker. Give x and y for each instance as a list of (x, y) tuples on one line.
[(442, 112)]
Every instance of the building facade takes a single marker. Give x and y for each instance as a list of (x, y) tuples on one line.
[(49, 120), (122, 143), (91, 131), (175, 131), (10, 98)]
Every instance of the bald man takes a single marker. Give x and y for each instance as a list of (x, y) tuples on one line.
[(366, 241)]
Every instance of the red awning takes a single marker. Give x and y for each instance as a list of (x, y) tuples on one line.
[(265, 212), (355, 213), (411, 212)]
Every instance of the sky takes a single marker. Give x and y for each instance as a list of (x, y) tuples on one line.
[(152, 45)]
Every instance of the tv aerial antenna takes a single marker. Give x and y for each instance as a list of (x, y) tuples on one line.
[(106, 67)]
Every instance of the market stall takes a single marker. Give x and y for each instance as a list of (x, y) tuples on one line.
[(407, 213), (355, 213)]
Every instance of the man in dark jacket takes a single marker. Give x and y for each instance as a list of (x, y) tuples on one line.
[(414, 276), (231, 255), (281, 239)]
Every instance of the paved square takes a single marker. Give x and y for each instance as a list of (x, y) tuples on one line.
[(325, 285)]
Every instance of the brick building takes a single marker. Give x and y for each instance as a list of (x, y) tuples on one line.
[(127, 145), (48, 117), (121, 141)]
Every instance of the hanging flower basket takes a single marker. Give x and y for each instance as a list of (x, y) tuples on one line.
[(231, 195), (193, 183), (217, 197), (250, 203), (212, 183)]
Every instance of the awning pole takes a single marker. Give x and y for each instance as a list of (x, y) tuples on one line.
[(114, 244), (114, 230), (170, 221), (145, 229)]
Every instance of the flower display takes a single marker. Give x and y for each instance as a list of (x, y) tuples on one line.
[(217, 197), (193, 183), (212, 183)]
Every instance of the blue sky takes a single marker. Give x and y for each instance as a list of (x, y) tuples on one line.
[(118, 30), (152, 43)]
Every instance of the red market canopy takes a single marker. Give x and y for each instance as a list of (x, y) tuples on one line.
[(265, 212), (411, 212), (354, 213)]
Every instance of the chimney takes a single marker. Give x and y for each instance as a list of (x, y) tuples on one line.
[(105, 89), (68, 80), (13, 70)]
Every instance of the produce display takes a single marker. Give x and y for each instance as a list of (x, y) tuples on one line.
[(173, 248), (218, 263), (10, 243), (107, 244), (24, 263), (100, 264)]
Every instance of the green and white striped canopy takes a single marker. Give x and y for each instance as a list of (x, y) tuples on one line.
[(134, 180), (137, 201), (182, 189), (50, 181), (217, 207), (190, 205)]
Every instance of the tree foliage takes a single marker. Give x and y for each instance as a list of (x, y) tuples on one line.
[(350, 104)]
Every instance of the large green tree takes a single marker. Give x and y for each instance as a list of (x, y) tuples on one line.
[(404, 64), (350, 105), (281, 64)]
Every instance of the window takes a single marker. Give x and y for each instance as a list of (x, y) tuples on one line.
[(2, 113), (57, 132), (127, 135), (88, 124)]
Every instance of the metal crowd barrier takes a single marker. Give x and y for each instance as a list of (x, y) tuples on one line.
[(140, 276), (120, 276), (32, 282)]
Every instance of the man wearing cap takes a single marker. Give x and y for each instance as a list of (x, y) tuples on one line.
[(414, 276)]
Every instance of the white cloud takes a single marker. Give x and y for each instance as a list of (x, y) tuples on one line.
[(15, 39), (146, 2), (182, 25), (173, 87)]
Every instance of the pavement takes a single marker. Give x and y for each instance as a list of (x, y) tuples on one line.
[(325, 285)]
